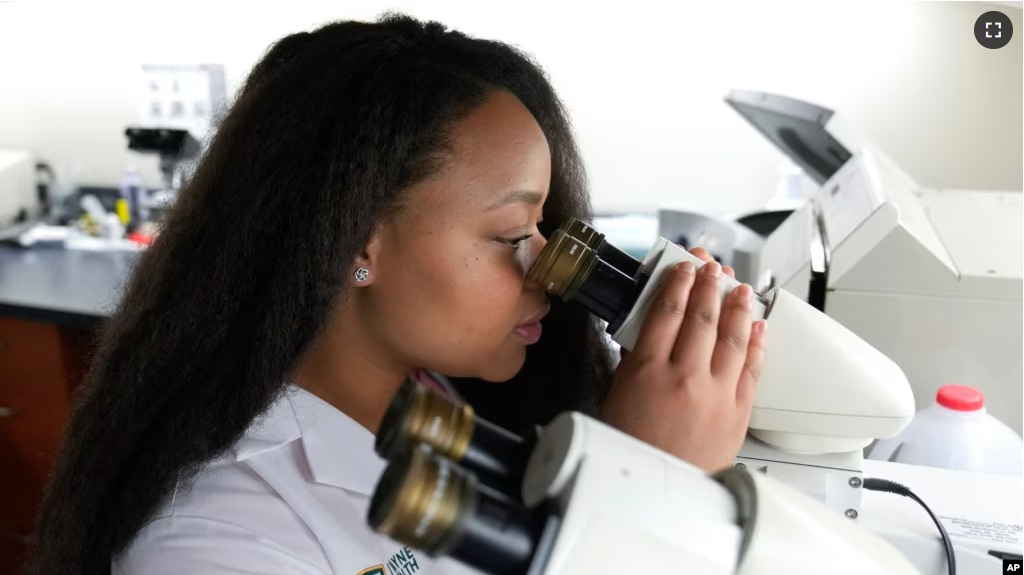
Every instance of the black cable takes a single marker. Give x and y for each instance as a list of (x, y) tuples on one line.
[(893, 487)]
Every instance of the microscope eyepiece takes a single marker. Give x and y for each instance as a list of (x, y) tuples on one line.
[(596, 241), (418, 500), (428, 502), (419, 415), (582, 231), (562, 265), (568, 269), (579, 265)]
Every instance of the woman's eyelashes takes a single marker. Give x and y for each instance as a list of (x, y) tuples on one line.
[(515, 242)]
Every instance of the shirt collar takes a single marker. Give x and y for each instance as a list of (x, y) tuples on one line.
[(339, 451)]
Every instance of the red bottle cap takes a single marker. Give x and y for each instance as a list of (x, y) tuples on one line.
[(960, 398), (140, 238)]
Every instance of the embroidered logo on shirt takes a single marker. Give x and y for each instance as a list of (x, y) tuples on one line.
[(403, 563)]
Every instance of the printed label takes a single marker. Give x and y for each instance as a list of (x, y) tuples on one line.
[(994, 531)]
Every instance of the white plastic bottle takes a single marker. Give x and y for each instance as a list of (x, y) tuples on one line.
[(956, 433)]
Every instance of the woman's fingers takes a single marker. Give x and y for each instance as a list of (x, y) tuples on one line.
[(702, 254), (734, 329), (696, 342), (746, 389), (660, 328), (706, 257), (669, 391)]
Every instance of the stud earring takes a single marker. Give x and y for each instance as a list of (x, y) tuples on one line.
[(362, 274)]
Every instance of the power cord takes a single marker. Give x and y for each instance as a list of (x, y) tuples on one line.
[(887, 486)]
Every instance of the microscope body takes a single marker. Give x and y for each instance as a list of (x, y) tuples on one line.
[(824, 394), (620, 505), (592, 500)]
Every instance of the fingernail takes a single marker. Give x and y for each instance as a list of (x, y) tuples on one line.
[(714, 269), (744, 295), (761, 328), (687, 267)]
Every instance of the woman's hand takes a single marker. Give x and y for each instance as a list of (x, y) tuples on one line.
[(689, 384)]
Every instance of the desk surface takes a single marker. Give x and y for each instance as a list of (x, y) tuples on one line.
[(73, 288)]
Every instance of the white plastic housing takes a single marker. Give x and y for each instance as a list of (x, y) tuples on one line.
[(627, 507), (796, 535), (659, 259), (932, 278), (982, 512), (824, 477), (823, 389)]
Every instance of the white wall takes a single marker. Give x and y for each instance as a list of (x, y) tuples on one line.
[(644, 81)]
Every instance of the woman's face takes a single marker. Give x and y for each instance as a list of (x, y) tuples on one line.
[(447, 288)]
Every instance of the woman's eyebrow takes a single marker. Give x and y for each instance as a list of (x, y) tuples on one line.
[(518, 197)]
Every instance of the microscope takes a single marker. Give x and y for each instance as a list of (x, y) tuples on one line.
[(580, 497), (177, 149), (178, 109), (819, 402)]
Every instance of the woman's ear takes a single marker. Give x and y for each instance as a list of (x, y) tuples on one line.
[(363, 267)]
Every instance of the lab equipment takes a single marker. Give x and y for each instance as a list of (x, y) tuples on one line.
[(596, 501), (824, 393), (980, 511), (19, 200), (819, 403), (108, 225), (178, 110), (931, 278), (135, 210), (598, 243), (763, 222), (189, 98), (420, 415), (177, 150), (633, 233), (728, 242), (956, 432), (791, 191)]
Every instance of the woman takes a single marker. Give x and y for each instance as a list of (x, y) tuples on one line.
[(368, 208)]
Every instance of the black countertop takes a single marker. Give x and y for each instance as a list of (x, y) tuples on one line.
[(71, 288)]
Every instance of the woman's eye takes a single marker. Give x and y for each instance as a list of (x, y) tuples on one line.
[(514, 242)]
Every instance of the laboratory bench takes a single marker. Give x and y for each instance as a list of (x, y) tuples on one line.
[(51, 303)]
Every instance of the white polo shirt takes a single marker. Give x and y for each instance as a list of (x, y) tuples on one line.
[(290, 498)]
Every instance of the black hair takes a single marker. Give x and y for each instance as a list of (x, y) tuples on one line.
[(328, 130)]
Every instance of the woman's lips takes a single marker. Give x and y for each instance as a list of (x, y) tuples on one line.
[(530, 332)]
